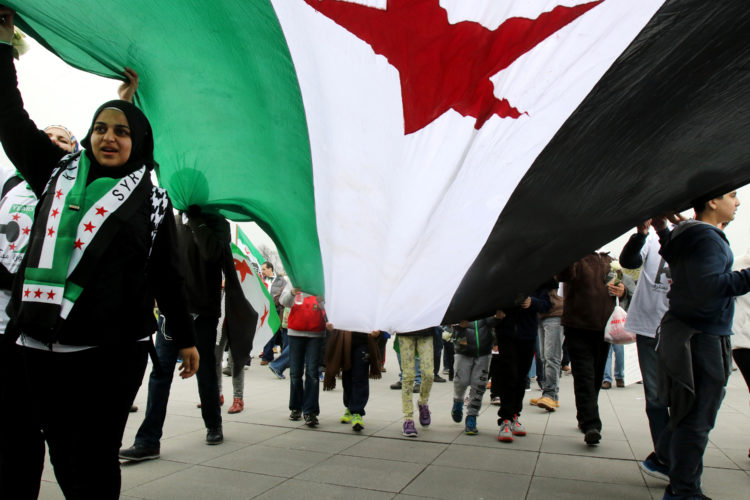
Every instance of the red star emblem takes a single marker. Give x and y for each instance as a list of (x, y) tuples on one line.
[(16, 217), (27, 293), (50, 231), (26, 230), (50, 295), (101, 211), (12, 246), (445, 66), (55, 212), (38, 293), (243, 268), (58, 194), (265, 315), (88, 226), (78, 244)]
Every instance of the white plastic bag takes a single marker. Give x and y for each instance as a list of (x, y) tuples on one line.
[(615, 332)]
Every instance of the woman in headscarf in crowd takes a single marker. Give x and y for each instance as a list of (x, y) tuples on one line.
[(101, 249)]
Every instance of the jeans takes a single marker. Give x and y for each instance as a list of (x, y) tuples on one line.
[(356, 381), (515, 360), (437, 350), (656, 411), (268, 348), (281, 363), (551, 336), (305, 357), (619, 352), (682, 444), (160, 383), (449, 353), (588, 354)]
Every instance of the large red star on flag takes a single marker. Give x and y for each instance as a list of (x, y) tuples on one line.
[(78, 244), (445, 66), (101, 211), (88, 226), (265, 315), (50, 231), (38, 293), (243, 268), (16, 217)]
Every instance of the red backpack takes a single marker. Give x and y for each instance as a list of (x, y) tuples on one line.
[(308, 316)]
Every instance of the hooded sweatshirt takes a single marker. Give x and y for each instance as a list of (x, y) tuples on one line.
[(703, 283)]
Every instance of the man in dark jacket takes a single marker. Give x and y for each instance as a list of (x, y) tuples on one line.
[(203, 240), (516, 341), (589, 299), (694, 345)]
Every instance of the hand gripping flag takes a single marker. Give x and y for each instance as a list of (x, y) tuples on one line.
[(257, 295), (426, 161)]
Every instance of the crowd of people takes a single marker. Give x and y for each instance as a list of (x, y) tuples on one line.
[(95, 263)]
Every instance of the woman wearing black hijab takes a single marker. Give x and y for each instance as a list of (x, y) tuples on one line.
[(102, 248)]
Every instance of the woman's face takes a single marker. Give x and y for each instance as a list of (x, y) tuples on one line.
[(110, 138), (60, 137)]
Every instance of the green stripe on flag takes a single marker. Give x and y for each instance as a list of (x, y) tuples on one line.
[(220, 89)]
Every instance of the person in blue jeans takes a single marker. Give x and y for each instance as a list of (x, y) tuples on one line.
[(306, 331), (619, 353), (281, 363), (417, 374)]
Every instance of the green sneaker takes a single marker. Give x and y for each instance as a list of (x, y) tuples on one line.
[(357, 424), (346, 417)]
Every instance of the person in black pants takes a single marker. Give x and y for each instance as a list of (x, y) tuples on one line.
[(588, 303), (516, 341)]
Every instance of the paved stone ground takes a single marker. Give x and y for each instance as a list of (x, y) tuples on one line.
[(264, 455)]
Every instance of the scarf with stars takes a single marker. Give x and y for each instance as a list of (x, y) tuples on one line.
[(74, 225)]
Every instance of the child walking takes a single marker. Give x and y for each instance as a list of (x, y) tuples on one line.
[(473, 342), (411, 343), (357, 356)]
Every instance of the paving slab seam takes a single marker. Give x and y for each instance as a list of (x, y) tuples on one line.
[(538, 455), (630, 446)]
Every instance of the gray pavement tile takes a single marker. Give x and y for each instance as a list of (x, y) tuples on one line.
[(433, 433), (277, 418), (488, 438), (200, 482), (396, 449), (543, 488), (137, 473), (450, 483), (315, 440), (598, 470), (308, 490), (608, 448), (174, 425), (192, 448), (50, 491), (495, 460), (269, 460), (244, 432), (725, 484), (367, 473), (739, 457)]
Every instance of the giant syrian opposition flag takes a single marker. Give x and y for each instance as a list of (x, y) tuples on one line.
[(423, 161)]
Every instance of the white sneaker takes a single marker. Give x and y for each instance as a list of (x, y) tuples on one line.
[(505, 435), (516, 427)]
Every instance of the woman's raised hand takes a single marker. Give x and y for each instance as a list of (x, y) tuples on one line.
[(6, 24), (129, 86)]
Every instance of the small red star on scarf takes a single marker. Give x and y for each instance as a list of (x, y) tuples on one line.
[(101, 211), (50, 231), (50, 295), (88, 226), (38, 293), (78, 244)]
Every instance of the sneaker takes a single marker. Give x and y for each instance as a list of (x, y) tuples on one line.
[(548, 403), (357, 424), (139, 453), (409, 429), (237, 406), (295, 415), (446, 371), (396, 386), (424, 414), (346, 417), (214, 436), (592, 437), (276, 372), (438, 379), (457, 412), (606, 385), (471, 425), (263, 362), (620, 382), (505, 435), (517, 427), (495, 401), (311, 420), (417, 388), (654, 468)]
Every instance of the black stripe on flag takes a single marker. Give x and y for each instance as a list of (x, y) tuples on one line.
[(669, 121)]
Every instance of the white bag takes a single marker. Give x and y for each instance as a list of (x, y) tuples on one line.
[(615, 332)]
